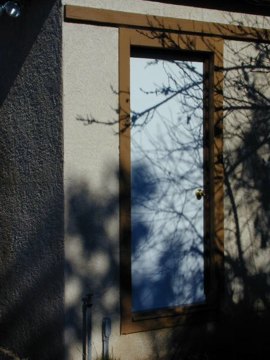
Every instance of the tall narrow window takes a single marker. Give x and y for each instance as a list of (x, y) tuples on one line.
[(171, 183), (167, 218)]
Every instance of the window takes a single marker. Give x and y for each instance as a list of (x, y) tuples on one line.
[(171, 180)]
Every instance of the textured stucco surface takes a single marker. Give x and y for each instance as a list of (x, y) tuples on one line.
[(90, 174), (246, 157), (31, 225), (90, 73)]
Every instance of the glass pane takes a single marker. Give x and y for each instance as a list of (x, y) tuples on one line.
[(167, 168)]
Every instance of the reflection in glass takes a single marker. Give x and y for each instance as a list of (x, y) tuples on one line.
[(167, 168)]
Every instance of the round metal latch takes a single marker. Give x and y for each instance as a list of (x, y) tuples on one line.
[(199, 193)]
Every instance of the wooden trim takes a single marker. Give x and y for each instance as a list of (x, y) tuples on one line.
[(132, 20), (211, 49), (124, 168)]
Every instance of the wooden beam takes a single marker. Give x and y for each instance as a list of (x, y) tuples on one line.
[(132, 20)]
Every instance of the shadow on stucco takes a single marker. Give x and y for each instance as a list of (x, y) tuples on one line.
[(21, 37), (239, 329), (31, 226), (31, 295), (92, 259)]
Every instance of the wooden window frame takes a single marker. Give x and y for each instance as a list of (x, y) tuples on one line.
[(210, 49)]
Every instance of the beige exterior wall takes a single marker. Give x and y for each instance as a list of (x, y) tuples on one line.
[(91, 162), (91, 153), (246, 155)]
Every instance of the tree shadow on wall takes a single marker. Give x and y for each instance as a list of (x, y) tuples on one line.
[(92, 258), (239, 329)]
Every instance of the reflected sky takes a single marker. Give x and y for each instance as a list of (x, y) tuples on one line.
[(167, 168)]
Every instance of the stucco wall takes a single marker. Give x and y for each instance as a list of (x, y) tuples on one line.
[(90, 73), (246, 158), (91, 165), (31, 226)]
